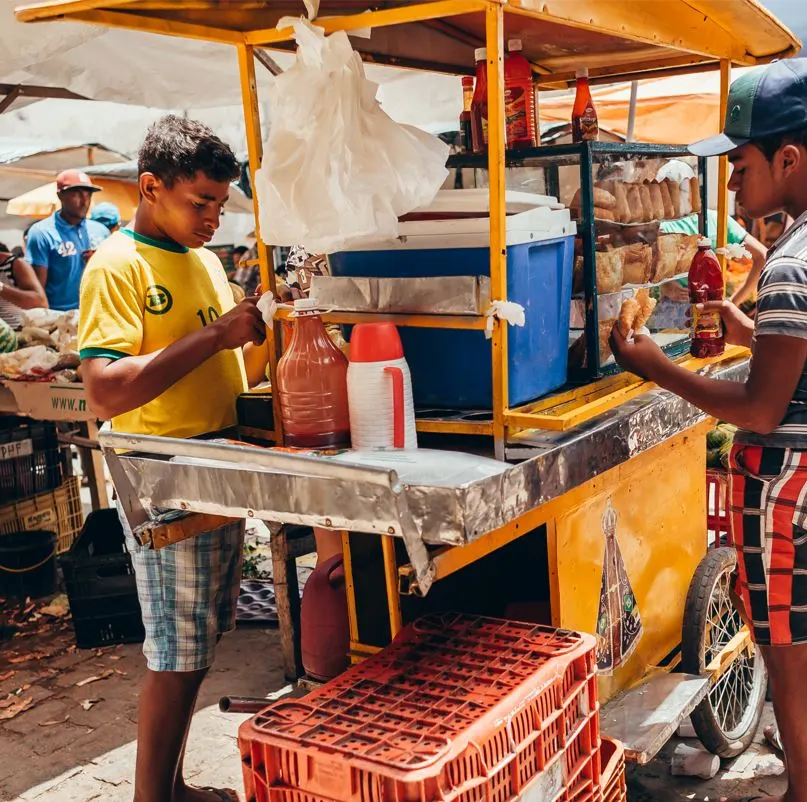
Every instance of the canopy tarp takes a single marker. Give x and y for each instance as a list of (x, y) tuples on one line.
[(676, 110)]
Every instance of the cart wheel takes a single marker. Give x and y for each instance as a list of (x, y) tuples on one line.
[(727, 720)]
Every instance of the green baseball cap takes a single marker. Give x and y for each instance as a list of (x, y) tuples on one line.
[(762, 102)]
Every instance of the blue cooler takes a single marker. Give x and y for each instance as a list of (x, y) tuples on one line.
[(452, 369)]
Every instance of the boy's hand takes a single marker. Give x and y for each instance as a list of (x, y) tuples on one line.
[(738, 327), (642, 356), (241, 325)]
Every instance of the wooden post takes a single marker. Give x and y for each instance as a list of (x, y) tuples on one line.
[(252, 121), (92, 463), (723, 170)]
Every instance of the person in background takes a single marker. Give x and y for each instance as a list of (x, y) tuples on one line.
[(765, 139), (165, 351), (19, 287), (59, 246), (107, 214), (677, 291), (238, 255)]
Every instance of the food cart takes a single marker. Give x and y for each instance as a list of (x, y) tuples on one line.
[(595, 512)]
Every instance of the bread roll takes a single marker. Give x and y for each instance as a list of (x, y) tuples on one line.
[(609, 271), (635, 204), (637, 263), (695, 194), (675, 197), (666, 199), (657, 201), (604, 214), (647, 203), (647, 306)]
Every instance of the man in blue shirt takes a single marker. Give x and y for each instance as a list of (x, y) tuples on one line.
[(59, 246)]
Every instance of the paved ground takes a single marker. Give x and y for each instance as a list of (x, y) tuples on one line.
[(56, 751)]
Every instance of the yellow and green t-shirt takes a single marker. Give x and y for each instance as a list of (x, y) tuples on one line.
[(139, 295)]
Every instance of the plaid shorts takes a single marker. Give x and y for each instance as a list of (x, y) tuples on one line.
[(768, 524), (188, 594)]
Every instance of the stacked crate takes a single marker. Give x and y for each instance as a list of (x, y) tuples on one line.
[(458, 708), (36, 489)]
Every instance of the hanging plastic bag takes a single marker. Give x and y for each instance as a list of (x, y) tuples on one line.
[(336, 168)]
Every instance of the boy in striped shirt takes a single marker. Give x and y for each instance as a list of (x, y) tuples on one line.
[(765, 137)]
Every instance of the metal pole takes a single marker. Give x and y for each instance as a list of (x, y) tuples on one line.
[(634, 92)]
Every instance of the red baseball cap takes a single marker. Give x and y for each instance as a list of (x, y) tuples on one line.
[(74, 179)]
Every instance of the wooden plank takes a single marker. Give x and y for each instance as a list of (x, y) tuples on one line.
[(287, 600)]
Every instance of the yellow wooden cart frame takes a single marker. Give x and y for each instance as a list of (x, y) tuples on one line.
[(616, 39)]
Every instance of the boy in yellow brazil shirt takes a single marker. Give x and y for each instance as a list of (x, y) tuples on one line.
[(166, 351)]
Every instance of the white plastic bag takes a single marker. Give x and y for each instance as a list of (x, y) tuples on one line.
[(336, 168)]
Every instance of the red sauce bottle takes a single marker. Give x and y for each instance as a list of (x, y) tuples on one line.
[(479, 105), (519, 99), (466, 130), (706, 284), (584, 115)]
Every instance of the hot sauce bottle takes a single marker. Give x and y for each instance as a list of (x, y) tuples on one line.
[(584, 115), (706, 284)]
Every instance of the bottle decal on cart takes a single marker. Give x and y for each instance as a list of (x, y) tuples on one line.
[(619, 624)]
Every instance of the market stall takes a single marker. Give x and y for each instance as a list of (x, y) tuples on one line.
[(593, 514)]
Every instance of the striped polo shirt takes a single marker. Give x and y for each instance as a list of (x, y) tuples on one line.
[(782, 309)]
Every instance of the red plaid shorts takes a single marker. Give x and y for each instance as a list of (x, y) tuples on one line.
[(769, 530)]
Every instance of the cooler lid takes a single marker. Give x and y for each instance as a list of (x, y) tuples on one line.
[(451, 202)]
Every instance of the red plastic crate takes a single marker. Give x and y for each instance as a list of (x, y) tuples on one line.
[(614, 784), (458, 708)]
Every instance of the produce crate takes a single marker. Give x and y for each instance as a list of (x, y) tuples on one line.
[(612, 759), (458, 708), (100, 584), (58, 511), (30, 458)]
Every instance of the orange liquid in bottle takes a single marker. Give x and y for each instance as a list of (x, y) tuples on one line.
[(584, 115), (312, 385)]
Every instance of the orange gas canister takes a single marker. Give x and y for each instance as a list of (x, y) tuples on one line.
[(312, 384), (324, 627)]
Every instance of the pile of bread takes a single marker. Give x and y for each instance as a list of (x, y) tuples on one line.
[(621, 202)]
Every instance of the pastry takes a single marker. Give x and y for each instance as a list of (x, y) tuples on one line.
[(622, 212), (604, 214), (675, 197), (687, 248), (637, 263), (656, 200), (606, 327), (603, 199), (669, 211), (635, 204), (666, 254), (647, 203), (627, 314), (695, 194), (609, 271), (647, 306)]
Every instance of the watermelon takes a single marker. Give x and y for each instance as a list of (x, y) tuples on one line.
[(8, 338)]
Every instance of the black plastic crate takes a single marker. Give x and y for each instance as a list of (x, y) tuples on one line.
[(100, 583), (31, 461)]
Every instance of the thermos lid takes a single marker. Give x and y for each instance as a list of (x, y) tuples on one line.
[(480, 54), (375, 342)]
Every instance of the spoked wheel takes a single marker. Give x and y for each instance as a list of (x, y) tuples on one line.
[(714, 634)]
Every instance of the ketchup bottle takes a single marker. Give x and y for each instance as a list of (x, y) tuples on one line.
[(706, 284), (584, 115), (312, 384), (479, 105), (466, 129), (519, 99)]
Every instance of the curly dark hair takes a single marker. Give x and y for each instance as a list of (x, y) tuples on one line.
[(769, 145), (176, 148)]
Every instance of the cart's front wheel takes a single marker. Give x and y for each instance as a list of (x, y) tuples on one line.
[(727, 720)]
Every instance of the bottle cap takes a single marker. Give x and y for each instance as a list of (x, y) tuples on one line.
[(514, 45), (375, 342), (704, 242), (480, 54), (582, 72), (467, 81)]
